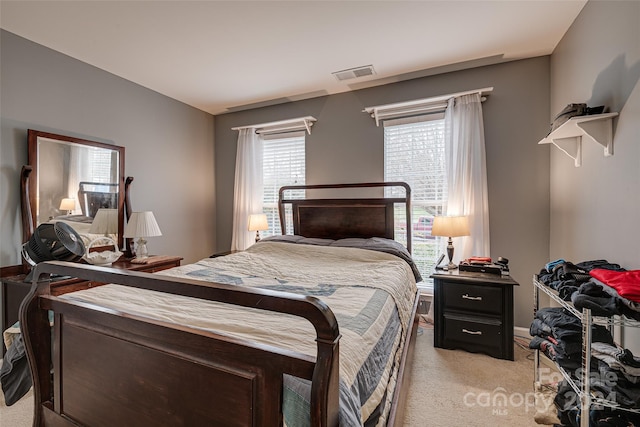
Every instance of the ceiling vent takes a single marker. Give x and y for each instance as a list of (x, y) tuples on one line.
[(354, 73)]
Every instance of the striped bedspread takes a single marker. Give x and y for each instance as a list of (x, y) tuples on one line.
[(371, 294)]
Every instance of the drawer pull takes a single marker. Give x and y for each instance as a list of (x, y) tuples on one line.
[(466, 331), (466, 296)]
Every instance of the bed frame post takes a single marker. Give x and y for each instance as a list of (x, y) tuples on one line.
[(27, 215), (128, 241), (36, 331), (325, 398)]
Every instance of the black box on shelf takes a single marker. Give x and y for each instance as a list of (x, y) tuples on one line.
[(481, 268)]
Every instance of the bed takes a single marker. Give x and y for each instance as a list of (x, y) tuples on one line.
[(294, 331)]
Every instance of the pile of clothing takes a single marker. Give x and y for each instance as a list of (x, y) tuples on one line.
[(605, 288), (558, 334), (614, 376), (568, 405), (567, 277), (608, 290)]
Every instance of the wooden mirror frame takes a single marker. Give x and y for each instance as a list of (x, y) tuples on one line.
[(29, 181)]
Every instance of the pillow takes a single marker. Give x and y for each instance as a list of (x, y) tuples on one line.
[(379, 244), (382, 244)]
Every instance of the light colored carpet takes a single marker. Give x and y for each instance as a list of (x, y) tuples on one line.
[(448, 388), (456, 388), (20, 414)]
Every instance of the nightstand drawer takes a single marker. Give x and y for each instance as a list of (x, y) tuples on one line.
[(472, 298), (478, 333)]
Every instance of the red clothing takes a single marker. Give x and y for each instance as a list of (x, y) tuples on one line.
[(627, 283)]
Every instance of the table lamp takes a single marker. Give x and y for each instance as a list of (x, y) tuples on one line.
[(141, 225), (257, 223), (450, 226), (68, 204), (105, 222)]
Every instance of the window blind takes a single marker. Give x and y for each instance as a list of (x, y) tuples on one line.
[(104, 164), (283, 164), (414, 152)]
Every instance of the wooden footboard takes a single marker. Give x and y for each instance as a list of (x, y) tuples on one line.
[(100, 367)]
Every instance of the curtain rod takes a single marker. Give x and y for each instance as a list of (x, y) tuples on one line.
[(431, 108), (380, 111), (429, 100), (301, 122), (280, 129)]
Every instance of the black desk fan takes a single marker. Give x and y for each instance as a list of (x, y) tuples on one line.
[(52, 242)]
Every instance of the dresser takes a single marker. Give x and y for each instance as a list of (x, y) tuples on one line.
[(474, 312), (14, 288)]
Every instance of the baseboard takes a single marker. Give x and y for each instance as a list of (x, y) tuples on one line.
[(519, 331)]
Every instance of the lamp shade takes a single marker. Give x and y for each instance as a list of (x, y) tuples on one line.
[(105, 222), (258, 222), (68, 204), (142, 224), (450, 226)]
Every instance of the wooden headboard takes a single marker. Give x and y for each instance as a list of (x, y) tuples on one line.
[(95, 195), (340, 218)]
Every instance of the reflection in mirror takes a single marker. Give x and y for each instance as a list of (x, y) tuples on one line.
[(73, 179), (81, 179)]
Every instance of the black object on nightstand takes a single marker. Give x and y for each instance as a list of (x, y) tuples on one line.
[(474, 312)]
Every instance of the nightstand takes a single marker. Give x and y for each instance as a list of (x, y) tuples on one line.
[(14, 288), (474, 312)]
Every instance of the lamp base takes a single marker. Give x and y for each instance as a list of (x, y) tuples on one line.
[(451, 265), (141, 249)]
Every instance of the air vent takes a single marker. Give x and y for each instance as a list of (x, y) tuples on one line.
[(354, 73)]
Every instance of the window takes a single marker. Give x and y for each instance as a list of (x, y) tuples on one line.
[(414, 152), (104, 165), (283, 164)]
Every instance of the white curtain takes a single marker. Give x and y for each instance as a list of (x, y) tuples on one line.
[(79, 169), (467, 173), (248, 190)]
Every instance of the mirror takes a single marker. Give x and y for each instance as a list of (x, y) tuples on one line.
[(73, 179)]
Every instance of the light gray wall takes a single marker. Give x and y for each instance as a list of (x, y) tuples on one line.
[(346, 146), (595, 209), (169, 145)]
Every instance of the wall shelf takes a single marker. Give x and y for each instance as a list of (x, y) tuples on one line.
[(569, 136)]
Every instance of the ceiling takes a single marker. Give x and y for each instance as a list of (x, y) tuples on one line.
[(221, 56)]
